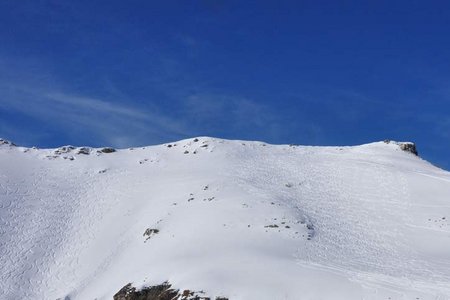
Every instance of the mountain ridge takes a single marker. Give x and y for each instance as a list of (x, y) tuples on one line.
[(235, 219)]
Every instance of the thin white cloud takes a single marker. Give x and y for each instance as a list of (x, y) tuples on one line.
[(117, 120), (97, 105), (110, 122)]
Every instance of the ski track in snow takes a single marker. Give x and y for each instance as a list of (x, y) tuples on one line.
[(366, 247), (63, 228)]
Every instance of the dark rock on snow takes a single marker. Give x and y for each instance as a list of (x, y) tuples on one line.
[(406, 146), (107, 150), (158, 292), (64, 149), (149, 232), (84, 150), (163, 291), (6, 142), (409, 147)]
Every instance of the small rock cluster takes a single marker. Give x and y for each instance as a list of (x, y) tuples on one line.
[(440, 222), (149, 232), (192, 144), (6, 142), (68, 152)]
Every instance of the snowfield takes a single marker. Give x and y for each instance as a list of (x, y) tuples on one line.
[(237, 219)]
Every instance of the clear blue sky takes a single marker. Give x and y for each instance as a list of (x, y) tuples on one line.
[(129, 73)]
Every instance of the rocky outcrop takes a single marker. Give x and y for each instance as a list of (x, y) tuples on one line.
[(163, 291), (84, 150), (405, 146), (80, 150), (107, 150), (6, 142), (157, 292), (64, 149), (409, 147)]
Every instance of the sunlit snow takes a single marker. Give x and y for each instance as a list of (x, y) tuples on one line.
[(239, 219)]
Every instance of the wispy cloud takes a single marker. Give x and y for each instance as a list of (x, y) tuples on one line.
[(106, 112), (120, 122), (107, 121)]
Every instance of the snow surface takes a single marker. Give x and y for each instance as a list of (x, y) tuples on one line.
[(363, 222)]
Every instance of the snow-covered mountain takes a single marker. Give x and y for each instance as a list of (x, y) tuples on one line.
[(234, 219)]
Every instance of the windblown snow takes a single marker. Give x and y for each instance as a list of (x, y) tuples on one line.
[(238, 219)]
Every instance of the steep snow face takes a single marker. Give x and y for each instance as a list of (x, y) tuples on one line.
[(244, 220)]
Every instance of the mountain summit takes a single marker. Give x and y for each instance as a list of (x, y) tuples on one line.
[(207, 218)]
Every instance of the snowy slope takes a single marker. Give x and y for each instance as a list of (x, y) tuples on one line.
[(239, 219)]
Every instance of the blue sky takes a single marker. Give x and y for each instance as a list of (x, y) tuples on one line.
[(130, 73)]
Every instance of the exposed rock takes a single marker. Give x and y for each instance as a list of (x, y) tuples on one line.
[(64, 149), (271, 226), (405, 146), (149, 232), (409, 147), (163, 291), (84, 150), (157, 292), (6, 142), (107, 150)]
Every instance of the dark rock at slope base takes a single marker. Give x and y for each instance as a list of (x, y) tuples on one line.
[(158, 292), (163, 291)]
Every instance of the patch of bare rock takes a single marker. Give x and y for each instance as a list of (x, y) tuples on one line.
[(405, 146), (162, 291)]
